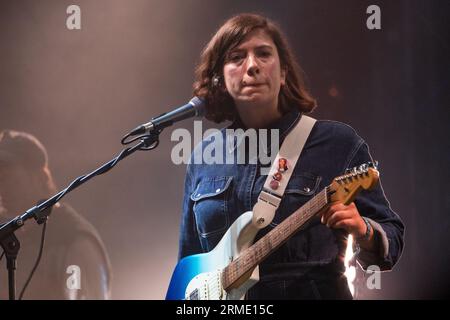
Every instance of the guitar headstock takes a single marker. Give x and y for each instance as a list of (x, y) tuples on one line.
[(346, 187)]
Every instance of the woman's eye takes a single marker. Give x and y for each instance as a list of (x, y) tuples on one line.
[(236, 57), (264, 54)]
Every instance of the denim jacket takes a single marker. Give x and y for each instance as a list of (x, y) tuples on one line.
[(216, 194)]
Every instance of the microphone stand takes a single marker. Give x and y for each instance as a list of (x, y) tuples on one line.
[(41, 211), (11, 246)]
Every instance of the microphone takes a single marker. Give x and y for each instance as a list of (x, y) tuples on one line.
[(195, 108)]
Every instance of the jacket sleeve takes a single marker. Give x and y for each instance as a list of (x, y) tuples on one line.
[(387, 225), (189, 242)]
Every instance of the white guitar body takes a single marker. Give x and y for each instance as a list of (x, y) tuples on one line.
[(202, 272)]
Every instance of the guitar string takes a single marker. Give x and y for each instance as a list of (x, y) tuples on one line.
[(274, 239)]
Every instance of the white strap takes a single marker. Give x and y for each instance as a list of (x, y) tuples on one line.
[(269, 199)]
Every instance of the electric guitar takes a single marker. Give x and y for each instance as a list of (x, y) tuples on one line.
[(231, 268)]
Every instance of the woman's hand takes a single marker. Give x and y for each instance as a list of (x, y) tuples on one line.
[(340, 216)]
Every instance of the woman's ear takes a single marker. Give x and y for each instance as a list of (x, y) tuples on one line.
[(283, 76)]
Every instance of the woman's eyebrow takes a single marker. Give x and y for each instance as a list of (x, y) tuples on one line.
[(263, 46)]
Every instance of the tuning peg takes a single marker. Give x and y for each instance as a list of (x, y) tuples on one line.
[(364, 167), (373, 164), (351, 171)]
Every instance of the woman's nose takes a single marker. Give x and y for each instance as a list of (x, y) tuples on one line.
[(252, 65)]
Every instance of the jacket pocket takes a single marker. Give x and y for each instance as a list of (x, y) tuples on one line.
[(211, 202), (300, 189)]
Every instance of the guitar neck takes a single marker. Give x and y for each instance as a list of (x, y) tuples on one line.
[(255, 254)]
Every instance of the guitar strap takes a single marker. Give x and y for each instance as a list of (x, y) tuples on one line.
[(280, 173)]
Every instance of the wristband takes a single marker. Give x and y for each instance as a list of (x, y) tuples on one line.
[(366, 236)]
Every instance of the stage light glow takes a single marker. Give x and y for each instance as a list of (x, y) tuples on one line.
[(350, 270)]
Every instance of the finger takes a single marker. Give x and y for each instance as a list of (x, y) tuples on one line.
[(331, 210), (326, 215), (345, 224), (337, 216)]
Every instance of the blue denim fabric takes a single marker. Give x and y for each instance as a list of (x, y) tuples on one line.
[(215, 195)]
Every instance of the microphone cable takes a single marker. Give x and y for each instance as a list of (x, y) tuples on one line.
[(36, 264)]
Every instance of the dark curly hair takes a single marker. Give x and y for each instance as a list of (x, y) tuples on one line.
[(219, 104)]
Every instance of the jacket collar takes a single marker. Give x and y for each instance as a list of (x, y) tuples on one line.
[(284, 125)]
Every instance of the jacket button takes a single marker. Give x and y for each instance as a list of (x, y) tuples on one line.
[(306, 189)]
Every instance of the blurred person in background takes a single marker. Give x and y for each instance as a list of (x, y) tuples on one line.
[(72, 248)]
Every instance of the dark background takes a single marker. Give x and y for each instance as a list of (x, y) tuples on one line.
[(79, 91)]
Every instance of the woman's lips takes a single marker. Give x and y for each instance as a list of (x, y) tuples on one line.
[(253, 84)]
